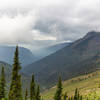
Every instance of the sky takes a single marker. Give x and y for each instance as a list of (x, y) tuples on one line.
[(36, 24)]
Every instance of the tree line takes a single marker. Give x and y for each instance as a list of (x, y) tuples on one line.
[(15, 91)]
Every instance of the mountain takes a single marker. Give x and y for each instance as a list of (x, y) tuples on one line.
[(6, 55), (82, 56), (43, 52)]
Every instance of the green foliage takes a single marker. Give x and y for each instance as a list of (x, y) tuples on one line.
[(38, 97), (15, 92), (65, 97), (32, 89), (2, 84), (26, 95), (58, 94), (77, 95)]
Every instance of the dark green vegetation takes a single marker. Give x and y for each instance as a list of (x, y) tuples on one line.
[(15, 92), (26, 95), (8, 70), (80, 57), (58, 93), (32, 89), (2, 84)]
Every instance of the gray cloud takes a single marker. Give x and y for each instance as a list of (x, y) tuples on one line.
[(38, 23)]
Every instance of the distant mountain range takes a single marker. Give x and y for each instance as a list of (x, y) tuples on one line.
[(25, 55), (41, 53), (80, 57)]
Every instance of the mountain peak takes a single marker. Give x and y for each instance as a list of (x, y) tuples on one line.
[(92, 33), (90, 41)]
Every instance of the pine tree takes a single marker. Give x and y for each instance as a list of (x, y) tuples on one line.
[(71, 98), (32, 89), (65, 96), (38, 97), (15, 92), (26, 95), (77, 95), (80, 98), (58, 93), (19, 94), (2, 84)]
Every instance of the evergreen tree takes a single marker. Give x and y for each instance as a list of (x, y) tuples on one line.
[(2, 84), (65, 96), (71, 98), (19, 94), (15, 92), (26, 95), (80, 98), (58, 93), (38, 97), (32, 89), (77, 95)]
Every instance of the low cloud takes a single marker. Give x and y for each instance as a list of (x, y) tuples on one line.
[(38, 23)]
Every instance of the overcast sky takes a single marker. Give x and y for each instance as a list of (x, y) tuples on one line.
[(40, 23)]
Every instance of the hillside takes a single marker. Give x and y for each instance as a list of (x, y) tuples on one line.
[(6, 55), (43, 52), (80, 57), (87, 85)]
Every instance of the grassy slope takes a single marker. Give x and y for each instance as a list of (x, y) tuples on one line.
[(88, 84)]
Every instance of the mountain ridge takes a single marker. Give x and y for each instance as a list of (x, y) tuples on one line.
[(44, 52), (68, 60), (6, 55)]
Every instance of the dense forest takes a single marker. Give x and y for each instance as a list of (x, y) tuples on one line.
[(15, 91)]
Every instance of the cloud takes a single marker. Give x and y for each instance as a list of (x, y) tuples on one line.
[(37, 23), (16, 29), (39, 36)]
